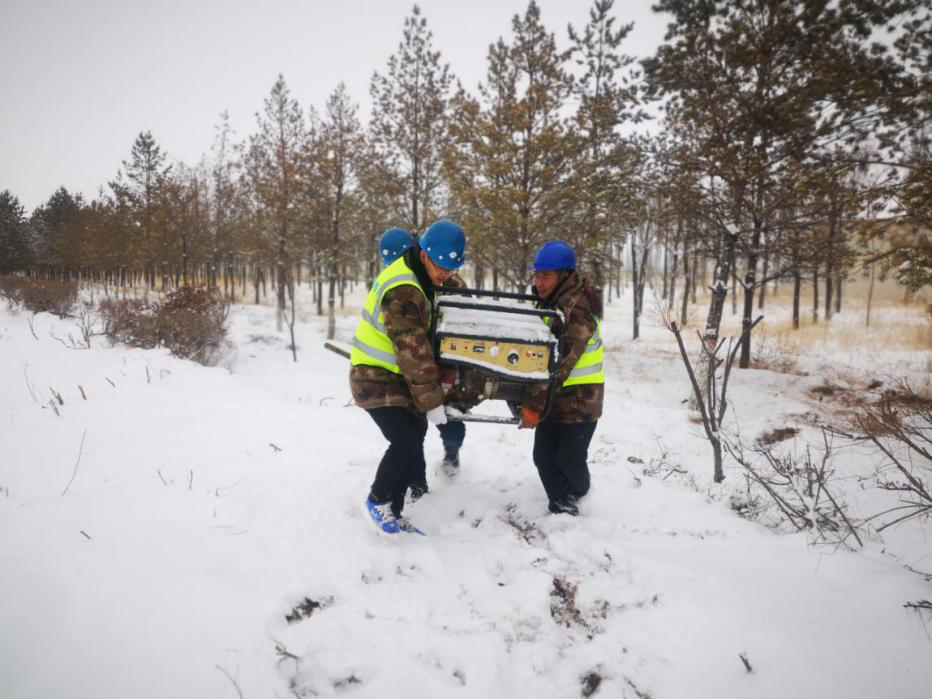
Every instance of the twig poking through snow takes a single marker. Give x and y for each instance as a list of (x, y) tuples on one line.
[(110, 382), (81, 388), (226, 487), (86, 535), (32, 389), (76, 462), (276, 448), (747, 663), (229, 677)]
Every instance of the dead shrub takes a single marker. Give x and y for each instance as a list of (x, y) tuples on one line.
[(775, 355), (780, 434), (40, 295), (563, 608), (826, 389), (794, 491), (899, 425), (130, 321), (191, 323)]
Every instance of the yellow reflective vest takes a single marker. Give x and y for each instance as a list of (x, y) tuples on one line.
[(371, 344), (589, 368)]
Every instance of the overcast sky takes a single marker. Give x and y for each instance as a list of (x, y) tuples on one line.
[(81, 79)]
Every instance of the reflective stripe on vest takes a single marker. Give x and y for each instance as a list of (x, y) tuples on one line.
[(371, 344), (589, 367)]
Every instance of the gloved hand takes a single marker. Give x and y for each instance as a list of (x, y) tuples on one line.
[(447, 378), (529, 419), (437, 415)]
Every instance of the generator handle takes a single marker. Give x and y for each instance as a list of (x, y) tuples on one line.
[(539, 312), (464, 291)]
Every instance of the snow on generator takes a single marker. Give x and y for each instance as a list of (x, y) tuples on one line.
[(496, 344), (491, 345)]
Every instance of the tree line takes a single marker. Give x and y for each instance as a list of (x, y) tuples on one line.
[(765, 139)]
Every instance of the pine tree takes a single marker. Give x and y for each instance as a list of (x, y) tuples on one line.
[(145, 175), (14, 246), (222, 198), (763, 86), (513, 156), (607, 98), (54, 224), (276, 152), (409, 119), (338, 151)]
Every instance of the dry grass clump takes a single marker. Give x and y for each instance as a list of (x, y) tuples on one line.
[(191, 323), (894, 326), (899, 424), (778, 354), (40, 295), (774, 436)]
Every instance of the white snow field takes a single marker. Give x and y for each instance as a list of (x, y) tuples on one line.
[(154, 536)]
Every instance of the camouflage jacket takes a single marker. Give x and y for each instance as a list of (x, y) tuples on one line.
[(406, 314), (582, 402)]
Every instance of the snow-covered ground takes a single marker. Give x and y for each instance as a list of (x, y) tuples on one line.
[(156, 531)]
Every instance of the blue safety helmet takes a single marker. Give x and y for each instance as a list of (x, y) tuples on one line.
[(555, 254), (393, 244), (445, 244)]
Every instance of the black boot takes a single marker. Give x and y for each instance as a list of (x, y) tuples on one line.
[(451, 463), (566, 506), (418, 490)]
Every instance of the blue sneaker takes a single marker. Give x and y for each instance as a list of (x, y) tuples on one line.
[(382, 516), (386, 520)]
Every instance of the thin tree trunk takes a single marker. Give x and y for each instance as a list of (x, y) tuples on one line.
[(666, 268), (635, 283), (674, 267), (734, 282), (815, 294), (750, 283), (685, 308), (797, 291), (764, 270)]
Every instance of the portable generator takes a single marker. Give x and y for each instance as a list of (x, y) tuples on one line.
[(496, 344), (490, 345)]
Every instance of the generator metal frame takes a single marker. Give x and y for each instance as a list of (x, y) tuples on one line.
[(513, 389)]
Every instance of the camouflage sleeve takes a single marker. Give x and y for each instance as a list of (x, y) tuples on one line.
[(576, 333), (537, 397), (404, 310)]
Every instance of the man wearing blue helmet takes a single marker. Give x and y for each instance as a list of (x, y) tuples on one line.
[(392, 244), (394, 374), (572, 409)]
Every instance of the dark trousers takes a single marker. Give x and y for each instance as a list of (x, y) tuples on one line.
[(560, 453), (403, 461), (452, 435)]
